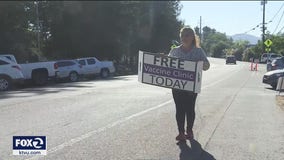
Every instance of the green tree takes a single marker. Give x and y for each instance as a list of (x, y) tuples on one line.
[(113, 30), (278, 44), (15, 38), (248, 53), (239, 48), (215, 43), (218, 49)]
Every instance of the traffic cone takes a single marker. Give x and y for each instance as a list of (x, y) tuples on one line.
[(256, 66)]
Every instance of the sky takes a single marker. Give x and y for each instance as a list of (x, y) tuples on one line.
[(233, 17)]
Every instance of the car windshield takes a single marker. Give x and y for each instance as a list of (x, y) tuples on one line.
[(274, 56), (2, 62), (8, 58), (142, 80)]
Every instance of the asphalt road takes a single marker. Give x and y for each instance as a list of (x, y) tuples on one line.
[(120, 118)]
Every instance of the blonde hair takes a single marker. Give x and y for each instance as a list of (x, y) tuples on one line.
[(196, 40)]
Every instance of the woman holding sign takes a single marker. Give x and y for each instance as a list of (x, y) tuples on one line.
[(185, 100)]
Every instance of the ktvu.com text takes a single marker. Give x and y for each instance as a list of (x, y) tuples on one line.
[(29, 145)]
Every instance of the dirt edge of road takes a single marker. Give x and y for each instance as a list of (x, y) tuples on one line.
[(280, 101)]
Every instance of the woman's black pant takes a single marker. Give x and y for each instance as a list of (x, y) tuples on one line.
[(185, 107)]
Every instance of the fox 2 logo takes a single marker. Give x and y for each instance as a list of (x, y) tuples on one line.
[(29, 143)]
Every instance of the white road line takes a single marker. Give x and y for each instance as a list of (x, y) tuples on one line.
[(226, 110), (91, 133), (220, 80)]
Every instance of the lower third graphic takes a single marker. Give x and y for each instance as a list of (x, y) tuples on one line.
[(29, 145)]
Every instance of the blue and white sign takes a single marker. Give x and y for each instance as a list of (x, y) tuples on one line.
[(29, 145), (160, 70)]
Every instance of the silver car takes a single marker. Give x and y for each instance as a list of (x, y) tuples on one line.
[(68, 69), (277, 63)]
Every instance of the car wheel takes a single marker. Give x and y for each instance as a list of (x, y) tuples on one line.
[(40, 78), (274, 86), (104, 73), (73, 77), (5, 83)]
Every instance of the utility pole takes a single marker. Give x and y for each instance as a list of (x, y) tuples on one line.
[(200, 29), (263, 2)]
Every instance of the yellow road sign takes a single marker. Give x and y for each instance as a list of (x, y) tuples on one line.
[(268, 43), (173, 46), (267, 49)]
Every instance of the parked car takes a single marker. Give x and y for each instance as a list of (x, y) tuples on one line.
[(92, 66), (268, 57), (231, 59), (271, 77), (273, 56), (264, 57), (69, 69), (39, 72), (277, 63), (10, 73)]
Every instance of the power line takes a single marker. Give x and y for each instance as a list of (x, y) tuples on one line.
[(277, 12), (281, 29), (278, 23), (257, 26)]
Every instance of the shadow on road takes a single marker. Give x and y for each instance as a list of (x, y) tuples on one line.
[(270, 88), (124, 78), (274, 89), (195, 152), (51, 88), (28, 90), (29, 93)]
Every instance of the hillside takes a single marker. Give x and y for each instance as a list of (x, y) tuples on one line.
[(252, 39)]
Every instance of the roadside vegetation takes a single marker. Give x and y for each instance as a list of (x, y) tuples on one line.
[(218, 45), (113, 30)]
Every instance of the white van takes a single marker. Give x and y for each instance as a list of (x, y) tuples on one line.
[(263, 58), (268, 57)]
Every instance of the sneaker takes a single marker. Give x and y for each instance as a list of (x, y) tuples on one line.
[(189, 134), (181, 137)]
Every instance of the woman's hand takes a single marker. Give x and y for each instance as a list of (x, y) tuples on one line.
[(206, 65)]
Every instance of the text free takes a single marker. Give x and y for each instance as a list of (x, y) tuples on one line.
[(169, 62)]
